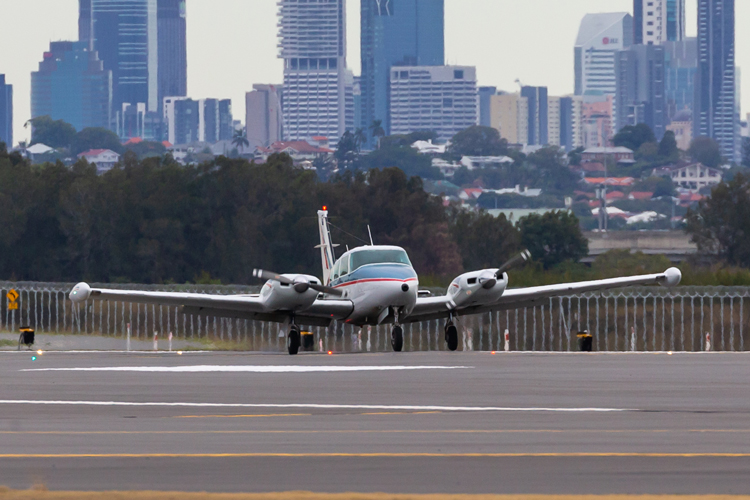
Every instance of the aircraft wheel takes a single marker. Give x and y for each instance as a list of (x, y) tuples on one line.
[(293, 342), (397, 338), (451, 336)]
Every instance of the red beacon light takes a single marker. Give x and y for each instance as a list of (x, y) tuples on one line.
[(325, 207)]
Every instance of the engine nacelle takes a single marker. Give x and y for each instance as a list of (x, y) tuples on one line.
[(280, 297), (477, 288)]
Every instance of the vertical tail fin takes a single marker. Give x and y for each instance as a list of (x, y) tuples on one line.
[(326, 247)]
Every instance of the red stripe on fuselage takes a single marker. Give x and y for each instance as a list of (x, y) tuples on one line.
[(375, 280)]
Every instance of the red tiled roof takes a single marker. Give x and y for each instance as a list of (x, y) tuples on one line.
[(167, 144), (641, 195), (134, 140), (93, 152), (615, 195), (612, 181)]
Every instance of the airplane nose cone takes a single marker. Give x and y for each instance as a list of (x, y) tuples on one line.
[(80, 292)]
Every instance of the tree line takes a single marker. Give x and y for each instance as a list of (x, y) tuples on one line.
[(156, 221)]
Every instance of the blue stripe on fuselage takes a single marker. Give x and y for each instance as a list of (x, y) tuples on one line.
[(378, 271)]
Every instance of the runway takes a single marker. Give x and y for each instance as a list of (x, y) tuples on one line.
[(398, 423)]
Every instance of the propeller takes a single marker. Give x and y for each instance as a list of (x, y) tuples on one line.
[(518, 260), (300, 284)]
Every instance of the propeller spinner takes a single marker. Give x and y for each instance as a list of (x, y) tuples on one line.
[(300, 284)]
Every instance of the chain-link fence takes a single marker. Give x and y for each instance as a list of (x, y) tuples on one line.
[(633, 319)]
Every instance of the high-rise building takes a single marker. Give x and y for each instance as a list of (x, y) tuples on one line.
[(658, 21), (396, 33), (205, 120), (567, 123), (6, 112), (597, 121), (600, 37), (640, 88), (509, 114), (72, 85), (312, 42), (716, 109), (263, 117), (681, 67), (442, 99), (172, 52), (553, 120), (576, 120), (485, 97), (84, 21), (124, 33), (538, 108)]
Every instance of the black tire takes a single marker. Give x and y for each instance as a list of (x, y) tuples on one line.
[(397, 339), (293, 342), (451, 337)]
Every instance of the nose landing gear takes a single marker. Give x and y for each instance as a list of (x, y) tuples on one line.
[(451, 336), (397, 335), (293, 340)]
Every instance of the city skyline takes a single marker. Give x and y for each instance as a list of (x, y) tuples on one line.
[(217, 67)]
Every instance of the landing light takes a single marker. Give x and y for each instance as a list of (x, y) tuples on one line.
[(39, 352), (493, 353), (330, 353), (179, 353)]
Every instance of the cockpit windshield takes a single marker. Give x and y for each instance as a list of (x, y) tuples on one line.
[(379, 256)]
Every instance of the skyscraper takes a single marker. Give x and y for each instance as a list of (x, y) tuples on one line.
[(485, 99), (172, 43), (6, 112), (72, 85), (681, 66), (600, 37), (716, 109), (658, 21), (396, 33), (538, 115), (124, 33), (312, 42), (442, 99), (509, 114), (641, 88)]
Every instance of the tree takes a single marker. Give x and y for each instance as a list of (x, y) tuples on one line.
[(53, 133), (706, 151), (396, 141), (484, 241), (239, 140), (633, 137), (668, 147), (553, 238), (479, 141), (721, 224), (405, 157), (746, 151), (377, 130), (360, 138), (95, 138), (574, 157), (147, 149), (347, 150)]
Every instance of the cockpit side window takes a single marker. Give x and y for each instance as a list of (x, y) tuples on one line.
[(335, 272), (344, 262)]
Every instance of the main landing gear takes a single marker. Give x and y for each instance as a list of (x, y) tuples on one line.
[(451, 336), (293, 340), (397, 336)]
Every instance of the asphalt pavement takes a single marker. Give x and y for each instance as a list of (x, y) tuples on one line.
[(400, 423)]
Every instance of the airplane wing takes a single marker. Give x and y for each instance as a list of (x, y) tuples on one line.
[(250, 307), (441, 307)]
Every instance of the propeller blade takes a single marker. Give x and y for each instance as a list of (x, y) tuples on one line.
[(268, 275), (327, 289), (518, 260)]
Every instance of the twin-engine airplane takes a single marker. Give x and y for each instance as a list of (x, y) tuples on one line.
[(370, 285)]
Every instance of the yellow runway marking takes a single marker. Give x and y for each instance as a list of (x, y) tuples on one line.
[(246, 416), (377, 455)]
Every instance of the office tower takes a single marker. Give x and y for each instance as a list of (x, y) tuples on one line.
[(84, 21), (681, 67), (537, 99), (485, 97), (640, 88), (715, 113), (357, 98), (6, 112), (312, 42), (124, 33), (263, 115), (597, 112), (600, 37), (172, 52), (349, 104), (205, 120), (567, 123), (442, 99), (509, 114), (396, 33), (72, 85), (576, 120), (658, 21)]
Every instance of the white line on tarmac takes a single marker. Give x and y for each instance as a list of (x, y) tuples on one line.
[(245, 369), (316, 406)]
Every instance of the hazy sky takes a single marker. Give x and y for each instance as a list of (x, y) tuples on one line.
[(232, 43)]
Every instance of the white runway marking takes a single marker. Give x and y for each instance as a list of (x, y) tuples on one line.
[(317, 406), (245, 369)]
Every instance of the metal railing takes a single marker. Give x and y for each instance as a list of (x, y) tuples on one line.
[(634, 319)]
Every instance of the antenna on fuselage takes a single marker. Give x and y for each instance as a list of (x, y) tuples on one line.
[(370, 233)]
